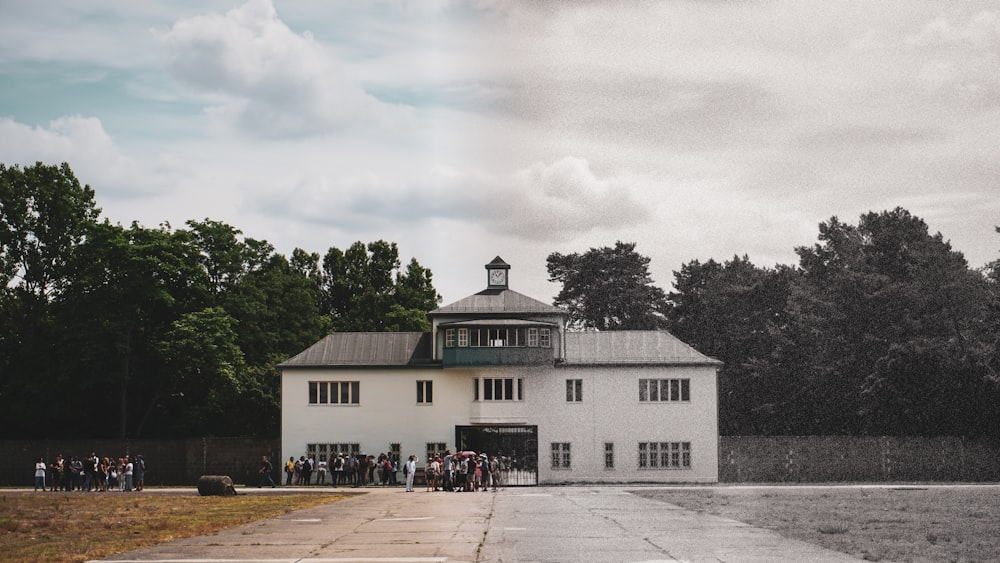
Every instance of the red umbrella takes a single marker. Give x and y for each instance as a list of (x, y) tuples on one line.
[(467, 453)]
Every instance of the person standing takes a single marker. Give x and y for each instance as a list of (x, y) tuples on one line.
[(75, 473), (338, 468), (140, 472), (321, 467), (129, 473), (56, 469), (40, 474), (264, 470), (448, 484), (409, 469), (289, 470), (306, 471)]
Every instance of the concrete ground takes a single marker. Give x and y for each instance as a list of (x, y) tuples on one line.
[(571, 523)]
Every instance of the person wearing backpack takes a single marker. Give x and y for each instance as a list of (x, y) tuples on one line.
[(264, 470)]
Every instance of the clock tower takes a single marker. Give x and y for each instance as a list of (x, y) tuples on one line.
[(496, 274)]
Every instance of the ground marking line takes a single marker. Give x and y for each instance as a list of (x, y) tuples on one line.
[(404, 519)]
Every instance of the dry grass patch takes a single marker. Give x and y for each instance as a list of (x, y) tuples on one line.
[(875, 524), (81, 526)]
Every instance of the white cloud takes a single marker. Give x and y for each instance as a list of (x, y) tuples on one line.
[(555, 201), (91, 153), (273, 82)]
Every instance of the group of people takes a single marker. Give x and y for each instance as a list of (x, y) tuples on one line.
[(464, 471), (91, 473), (357, 469)]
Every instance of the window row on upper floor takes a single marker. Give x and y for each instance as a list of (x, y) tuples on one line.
[(498, 389), (498, 337)]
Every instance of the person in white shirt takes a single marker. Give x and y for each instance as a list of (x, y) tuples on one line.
[(410, 469), (128, 474), (40, 474), (321, 470)]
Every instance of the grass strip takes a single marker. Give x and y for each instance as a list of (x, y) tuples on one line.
[(80, 526)]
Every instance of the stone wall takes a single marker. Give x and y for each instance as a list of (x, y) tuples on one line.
[(779, 459), (742, 459), (168, 462)]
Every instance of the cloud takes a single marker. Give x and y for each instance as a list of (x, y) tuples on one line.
[(269, 80), (91, 153), (554, 201)]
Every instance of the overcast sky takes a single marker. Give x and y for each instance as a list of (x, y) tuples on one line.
[(466, 130)]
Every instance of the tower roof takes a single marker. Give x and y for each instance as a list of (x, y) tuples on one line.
[(497, 302)]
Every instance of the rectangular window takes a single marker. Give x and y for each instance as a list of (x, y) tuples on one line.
[(501, 389), (664, 390), (609, 455), (449, 338), (560, 455), (664, 455), (475, 389), (434, 449), (574, 390), (533, 337), (334, 449), (425, 392), (334, 392), (463, 337), (544, 338)]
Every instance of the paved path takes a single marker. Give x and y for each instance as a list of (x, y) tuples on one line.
[(573, 524)]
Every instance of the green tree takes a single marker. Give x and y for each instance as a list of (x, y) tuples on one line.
[(128, 287), (44, 215), (608, 289), (364, 290), (732, 311), (203, 375), (277, 309), (874, 302)]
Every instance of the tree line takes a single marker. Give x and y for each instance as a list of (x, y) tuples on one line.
[(111, 330), (881, 329)]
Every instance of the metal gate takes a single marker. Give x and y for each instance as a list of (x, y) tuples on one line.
[(515, 446)]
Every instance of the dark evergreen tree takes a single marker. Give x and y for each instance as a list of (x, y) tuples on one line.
[(608, 289)]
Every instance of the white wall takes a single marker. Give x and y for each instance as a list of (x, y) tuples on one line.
[(610, 412)]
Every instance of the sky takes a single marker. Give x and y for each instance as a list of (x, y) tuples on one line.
[(467, 130)]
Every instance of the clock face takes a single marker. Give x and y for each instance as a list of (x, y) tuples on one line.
[(498, 277)]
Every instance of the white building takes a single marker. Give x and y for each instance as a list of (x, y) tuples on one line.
[(499, 373)]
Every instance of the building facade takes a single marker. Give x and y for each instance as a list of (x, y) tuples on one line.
[(499, 373)]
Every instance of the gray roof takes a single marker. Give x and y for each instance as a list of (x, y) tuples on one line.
[(497, 322), (631, 347), (368, 349), (497, 301)]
